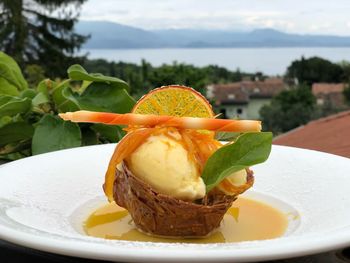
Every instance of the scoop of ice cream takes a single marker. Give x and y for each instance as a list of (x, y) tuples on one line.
[(164, 164)]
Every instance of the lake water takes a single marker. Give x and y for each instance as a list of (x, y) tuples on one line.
[(271, 61)]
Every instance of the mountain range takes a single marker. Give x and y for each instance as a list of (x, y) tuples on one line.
[(109, 35)]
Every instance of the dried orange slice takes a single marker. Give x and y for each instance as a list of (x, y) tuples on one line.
[(174, 100)]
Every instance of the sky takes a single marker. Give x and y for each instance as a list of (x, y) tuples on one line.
[(293, 16)]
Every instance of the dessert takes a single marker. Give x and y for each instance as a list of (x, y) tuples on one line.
[(169, 172)]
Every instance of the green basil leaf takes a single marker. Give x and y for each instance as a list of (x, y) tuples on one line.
[(77, 72), (7, 89), (53, 133), (15, 132), (10, 71), (111, 133), (249, 149), (99, 96), (10, 105)]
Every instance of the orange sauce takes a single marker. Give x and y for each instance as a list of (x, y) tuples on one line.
[(246, 220)]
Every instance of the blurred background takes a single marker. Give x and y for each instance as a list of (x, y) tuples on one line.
[(284, 62)]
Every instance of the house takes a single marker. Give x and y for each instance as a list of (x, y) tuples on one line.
[(244, 99), (230, 99), (329, 134), (329, 94)]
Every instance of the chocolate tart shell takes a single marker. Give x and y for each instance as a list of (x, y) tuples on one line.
[(162, 215)]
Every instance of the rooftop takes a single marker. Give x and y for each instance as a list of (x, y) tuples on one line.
[(330, 134), (241, 92), (230, 93)]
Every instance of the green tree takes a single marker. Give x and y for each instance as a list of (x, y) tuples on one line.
[(41, 32), (315, 69), (288, 110), (34, 74), (345, 65), (145, 77), (346, 93)]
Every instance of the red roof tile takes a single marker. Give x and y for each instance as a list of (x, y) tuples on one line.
[(330, 134), (230, 93), (265, 89)]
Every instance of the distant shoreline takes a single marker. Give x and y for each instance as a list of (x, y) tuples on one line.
[(270, 61), (114, 35)]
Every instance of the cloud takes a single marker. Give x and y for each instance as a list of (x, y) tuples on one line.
[(319, 27), (268, 22), (312, 16)]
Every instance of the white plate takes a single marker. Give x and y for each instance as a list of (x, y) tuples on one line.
[(44, 198)]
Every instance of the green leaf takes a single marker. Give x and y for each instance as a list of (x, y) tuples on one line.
[(10, 105), (45, 86), (14, 151), (249, 149), (77, 72), (14, 132), (10, 71), (84, 85), (40, 98), (111, 133), (100, 96), (28, 93), (7, 89), (62, 102), (89, 137), (53, 133), (5, 120), (21, 148)]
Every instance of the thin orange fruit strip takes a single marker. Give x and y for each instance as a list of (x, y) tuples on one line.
[(162, 120)]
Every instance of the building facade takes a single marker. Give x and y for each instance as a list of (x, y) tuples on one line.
[(329, 94), (244, 99)]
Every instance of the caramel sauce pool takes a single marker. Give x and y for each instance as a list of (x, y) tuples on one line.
[(246, 220)]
